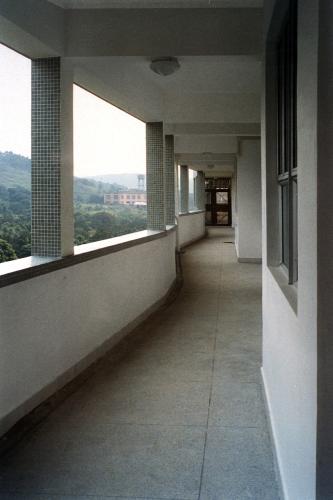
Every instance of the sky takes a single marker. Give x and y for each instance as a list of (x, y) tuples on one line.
[(106, 139), (15, 102)]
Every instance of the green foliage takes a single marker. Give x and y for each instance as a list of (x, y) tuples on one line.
[(15, 215), (6, 251), (94, 221)]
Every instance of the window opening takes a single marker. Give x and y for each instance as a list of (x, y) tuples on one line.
[(287, 140), (15, 155), (110, 196)]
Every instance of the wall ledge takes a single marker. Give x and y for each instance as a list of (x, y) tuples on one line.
[(27, 268), (193, 212), (289, 291), (250, 260)]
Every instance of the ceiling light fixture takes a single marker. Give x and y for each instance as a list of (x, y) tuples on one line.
[(165, 65)]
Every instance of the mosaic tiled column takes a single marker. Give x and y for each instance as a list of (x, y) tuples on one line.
[(200, 190), (184, 185), (155, 176), (169, 177), (51, 225)]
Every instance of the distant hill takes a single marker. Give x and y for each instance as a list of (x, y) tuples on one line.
[(93, 220), (92, 191), (15, 173), (14, 170), (128, 180)]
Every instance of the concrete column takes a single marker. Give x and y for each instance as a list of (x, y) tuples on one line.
[(67, 161), (184, 189), (200, 191), (51, 158), (324, 372), (248, 229), (155, 176), (169, 178)]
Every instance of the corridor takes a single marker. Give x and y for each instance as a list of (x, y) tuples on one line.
[(175, 413)]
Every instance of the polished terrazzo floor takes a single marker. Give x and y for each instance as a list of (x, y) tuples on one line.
[(179, 416)]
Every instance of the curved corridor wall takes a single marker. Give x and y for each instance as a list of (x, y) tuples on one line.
[(55, 325), (191, 227)]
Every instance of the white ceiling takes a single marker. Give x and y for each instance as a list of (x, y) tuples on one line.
[(104, 4), (210, 74), (197, 74), (205, 89)]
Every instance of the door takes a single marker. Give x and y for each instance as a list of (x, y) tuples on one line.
[(218, 207)]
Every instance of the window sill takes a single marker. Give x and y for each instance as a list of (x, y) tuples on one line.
[(289, 291), (191, 212), (30, 267)]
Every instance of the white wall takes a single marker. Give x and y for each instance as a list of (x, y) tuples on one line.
[(49, 323), (324, 479), (234, 200), (289, 337), (248, 223), (191, 227)]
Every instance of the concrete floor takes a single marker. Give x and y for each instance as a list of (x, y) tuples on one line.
[(179, 416)]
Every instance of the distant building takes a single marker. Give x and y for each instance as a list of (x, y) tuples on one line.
[(130, 197), (141, 182)]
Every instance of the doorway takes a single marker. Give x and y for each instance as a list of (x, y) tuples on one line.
[(218, 202)]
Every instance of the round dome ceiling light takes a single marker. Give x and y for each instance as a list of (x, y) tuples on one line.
[(165, 65)]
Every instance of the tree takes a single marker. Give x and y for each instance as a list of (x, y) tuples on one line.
[(6, 251)]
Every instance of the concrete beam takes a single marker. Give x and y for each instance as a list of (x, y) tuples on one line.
[(243, 129), (221, 107), (209, 159), (156, 32), (34, 28), (199, 144)]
